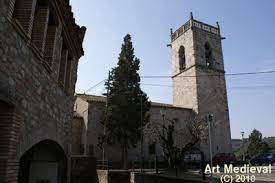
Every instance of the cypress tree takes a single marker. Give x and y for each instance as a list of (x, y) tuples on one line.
[(126, 102)]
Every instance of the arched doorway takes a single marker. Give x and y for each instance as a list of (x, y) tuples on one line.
[(45, 162)]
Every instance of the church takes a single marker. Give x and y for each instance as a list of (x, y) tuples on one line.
[(199, 87)]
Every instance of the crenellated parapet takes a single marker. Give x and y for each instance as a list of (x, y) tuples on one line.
[(194, 24)]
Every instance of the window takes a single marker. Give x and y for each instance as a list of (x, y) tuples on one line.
[(182, 58), (63, 66), (65, 69), (68, 76), (208, 55), (40, 26), (51, 41), (24, 13)]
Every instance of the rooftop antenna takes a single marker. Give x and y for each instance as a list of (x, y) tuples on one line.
[(191, 15), (218, 25)]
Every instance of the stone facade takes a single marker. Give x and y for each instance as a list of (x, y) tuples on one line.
[(198, 87), (35, 106), (77, 128), (201, 85), (91, 108)]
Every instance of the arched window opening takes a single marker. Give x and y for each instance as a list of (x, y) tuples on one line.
[(182, 61), (208, 55)]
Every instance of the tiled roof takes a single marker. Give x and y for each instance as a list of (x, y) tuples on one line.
[(96, 98)]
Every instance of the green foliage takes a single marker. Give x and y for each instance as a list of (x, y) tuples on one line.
[(271, 142), (256, 145), (238, 153), (122, 118)]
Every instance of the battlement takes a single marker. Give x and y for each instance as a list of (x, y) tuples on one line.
[(192, 23)]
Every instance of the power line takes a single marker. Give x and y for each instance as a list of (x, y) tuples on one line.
[(94, 86), (156, 85), (253, 87), (230, 74), (233, 87)]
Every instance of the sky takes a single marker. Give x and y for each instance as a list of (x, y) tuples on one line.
[(249, 47)]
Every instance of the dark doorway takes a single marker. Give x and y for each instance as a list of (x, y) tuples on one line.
[(45, 162)]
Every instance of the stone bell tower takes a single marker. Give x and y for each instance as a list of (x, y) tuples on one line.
[(199, 80)]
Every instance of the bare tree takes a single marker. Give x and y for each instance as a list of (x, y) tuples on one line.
[(176, 142)]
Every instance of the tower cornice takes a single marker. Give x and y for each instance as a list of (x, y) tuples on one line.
[(192, 23)]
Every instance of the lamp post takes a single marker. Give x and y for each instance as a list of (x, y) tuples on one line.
[(209, 119), (104, 127), (141, 135), (163, 133), (242, 133), (162, 115)]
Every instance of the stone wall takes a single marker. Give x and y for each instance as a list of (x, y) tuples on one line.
[(95, 128), (185, 40), (180, 116), (81, 110), (102, 176), (200, 86), (44, 107), (214, 101), (211, 91), (46, 110), (136, 177), (120, 176), (77, 128)]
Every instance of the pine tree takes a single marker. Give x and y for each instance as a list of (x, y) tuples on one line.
[(126, 102)]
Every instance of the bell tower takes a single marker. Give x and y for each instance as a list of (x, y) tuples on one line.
[(199, 78)]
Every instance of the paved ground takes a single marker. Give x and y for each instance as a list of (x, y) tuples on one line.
[(260, 178)]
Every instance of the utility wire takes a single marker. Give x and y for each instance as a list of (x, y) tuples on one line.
[(230, 74), (232, 87), (94, 86), (156, 85), (206, 75)]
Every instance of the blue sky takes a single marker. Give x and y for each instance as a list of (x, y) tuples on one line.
[(249, 46)]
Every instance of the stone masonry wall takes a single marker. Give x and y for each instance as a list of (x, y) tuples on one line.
[(45, 110), (214, 101), (184, 88), (77, 126), (113, 153), (211, 89), (204, 94)]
